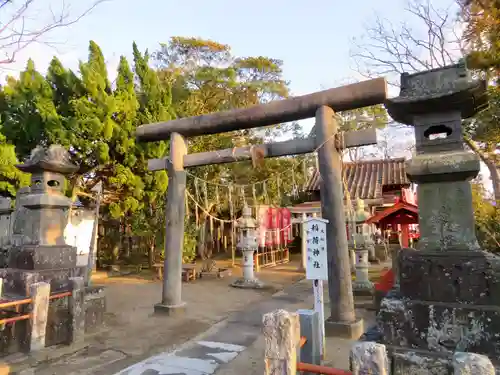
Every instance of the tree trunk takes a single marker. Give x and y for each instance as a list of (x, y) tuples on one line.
[(491, 162), (151, 252), (495, 178)]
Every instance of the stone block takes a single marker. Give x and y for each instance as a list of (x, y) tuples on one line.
[(77, 309), (281, 330), (95, 307), (471, 277), (34, 257), (369, 358), (471, 363), (40, 293), (414, 362), (310, 329), (348, 330), (17, 281), (170, 310), (440, 327)]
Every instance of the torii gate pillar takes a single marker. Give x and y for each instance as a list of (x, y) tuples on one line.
[(171, 301), (342, 321)]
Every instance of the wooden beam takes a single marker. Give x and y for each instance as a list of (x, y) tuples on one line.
[(343, 98), (269, 150)]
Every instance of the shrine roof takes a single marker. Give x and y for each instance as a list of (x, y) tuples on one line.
[(365, 179), (400, 206)]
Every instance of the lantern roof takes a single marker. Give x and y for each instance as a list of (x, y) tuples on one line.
[(246, 221)]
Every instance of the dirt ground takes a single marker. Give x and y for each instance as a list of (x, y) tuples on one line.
[(133, 332)]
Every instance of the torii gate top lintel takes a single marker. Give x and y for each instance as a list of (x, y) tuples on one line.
[(356, 95)]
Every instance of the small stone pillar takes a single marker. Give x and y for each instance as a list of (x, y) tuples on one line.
[(77, 309), (281, 331), (39, 293), (310, 328), (369, 358), (247, 244)]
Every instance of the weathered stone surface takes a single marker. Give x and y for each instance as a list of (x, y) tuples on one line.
[(469, 277), (40, 293), (369, 358), (17, 282), (416, 363), (95, 307), (439, 327), (470, 363), (281, 331), (77, 309), (33, 257)]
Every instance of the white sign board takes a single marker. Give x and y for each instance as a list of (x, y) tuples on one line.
[(317, 260)]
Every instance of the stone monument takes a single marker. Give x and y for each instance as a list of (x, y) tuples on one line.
[(449, 289), (247, 244)]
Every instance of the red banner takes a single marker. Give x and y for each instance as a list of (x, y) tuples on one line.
[(263, 217), (286, 229), (273, 227)]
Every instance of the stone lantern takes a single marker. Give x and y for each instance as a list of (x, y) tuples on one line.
[(449, 291), (41, 248), (362, 241), (247, 244)]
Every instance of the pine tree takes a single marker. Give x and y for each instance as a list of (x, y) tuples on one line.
[(29, 115)]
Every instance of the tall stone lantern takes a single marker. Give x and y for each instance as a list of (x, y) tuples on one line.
[(42, 252), (449, 290), (247, 244), (362, 241)]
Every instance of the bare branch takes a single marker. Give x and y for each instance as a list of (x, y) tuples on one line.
[(429, 40), (20, 24)]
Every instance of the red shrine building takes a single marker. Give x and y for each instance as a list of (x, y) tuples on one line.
[(386, 191)]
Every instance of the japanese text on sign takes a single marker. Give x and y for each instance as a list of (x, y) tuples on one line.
[(317, 261)]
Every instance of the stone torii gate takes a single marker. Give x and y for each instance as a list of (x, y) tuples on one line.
[(328, 142)]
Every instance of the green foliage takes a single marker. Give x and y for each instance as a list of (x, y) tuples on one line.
[(11, 178), (487, 217), (96, 121)]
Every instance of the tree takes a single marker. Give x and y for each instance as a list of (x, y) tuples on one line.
[(11, 178), (431, 41), (22, 24), (482, 36), (487, 218), (29, 116), (205, 77)]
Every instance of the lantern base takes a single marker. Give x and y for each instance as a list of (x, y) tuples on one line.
[(248, 284)]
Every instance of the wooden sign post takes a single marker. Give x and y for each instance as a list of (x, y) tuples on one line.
[(317, 268)]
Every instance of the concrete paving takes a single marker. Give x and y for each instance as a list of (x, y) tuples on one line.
[(222, 344)]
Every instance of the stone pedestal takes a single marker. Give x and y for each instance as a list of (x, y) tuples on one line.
[(449, 290)]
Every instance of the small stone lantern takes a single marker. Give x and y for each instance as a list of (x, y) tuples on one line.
[(362, 241), (247, 244)]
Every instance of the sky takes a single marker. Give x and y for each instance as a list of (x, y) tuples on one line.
[(313, 37)]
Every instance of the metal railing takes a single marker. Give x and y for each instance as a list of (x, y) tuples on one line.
[(25, 301)]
